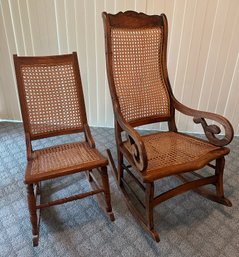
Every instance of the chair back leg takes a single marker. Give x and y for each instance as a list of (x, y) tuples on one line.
[(106, 187)]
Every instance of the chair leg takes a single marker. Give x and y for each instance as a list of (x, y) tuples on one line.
[(147, 222), (209, 194), (88, 175), (120, 167), (106, 187), (149, 197), (38, 188), (220, 163), (33, 214)]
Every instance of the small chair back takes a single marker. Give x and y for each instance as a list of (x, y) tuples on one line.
[(51, 95)]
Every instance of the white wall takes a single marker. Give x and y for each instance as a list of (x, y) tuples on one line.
[(203, 50)]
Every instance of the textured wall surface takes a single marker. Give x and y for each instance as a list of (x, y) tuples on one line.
[(203, 50)]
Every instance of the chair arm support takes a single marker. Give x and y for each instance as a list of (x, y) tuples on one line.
[(137, 147), (88, 136), (28, 146), (209, 130)]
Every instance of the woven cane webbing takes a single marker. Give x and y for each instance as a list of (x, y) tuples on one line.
[(65, 157), (138, 74), (51, 97), (167, 149)]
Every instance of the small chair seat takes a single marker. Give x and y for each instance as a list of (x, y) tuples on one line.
[(168, 151), (61, 160)]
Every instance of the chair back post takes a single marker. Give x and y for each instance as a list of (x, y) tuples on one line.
[(108, 54), (171, 123), (23, 107), (87, 132)]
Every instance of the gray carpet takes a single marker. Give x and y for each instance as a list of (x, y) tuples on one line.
[(189, 225)]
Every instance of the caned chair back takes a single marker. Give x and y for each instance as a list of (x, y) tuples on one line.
[(136, 67), (51, 95)]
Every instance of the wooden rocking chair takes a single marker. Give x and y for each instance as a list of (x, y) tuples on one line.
[(52, 104), (136, 46)]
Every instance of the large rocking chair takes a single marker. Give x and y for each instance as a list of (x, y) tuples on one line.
[(136, 46), (52, 104)]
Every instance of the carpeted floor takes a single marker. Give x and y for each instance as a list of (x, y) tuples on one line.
[(189, 225)]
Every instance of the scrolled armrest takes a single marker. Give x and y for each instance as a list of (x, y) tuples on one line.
[(137, 147), (210, 130)]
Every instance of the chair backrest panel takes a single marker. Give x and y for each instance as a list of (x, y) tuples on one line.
[(138, 74), (135, 52), (50, 94)]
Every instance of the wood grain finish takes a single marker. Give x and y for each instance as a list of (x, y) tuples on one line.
[(162, 154), (52, 104)]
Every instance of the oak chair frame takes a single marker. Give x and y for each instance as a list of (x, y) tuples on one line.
[(91, 167), (136, 155)]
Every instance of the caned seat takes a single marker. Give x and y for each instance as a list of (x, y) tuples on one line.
[(52, 104), (136, 58), (171, 153), (61, 159)]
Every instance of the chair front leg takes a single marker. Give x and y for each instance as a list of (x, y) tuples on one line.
[(149, 198), (33, 213), (220, 163)]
